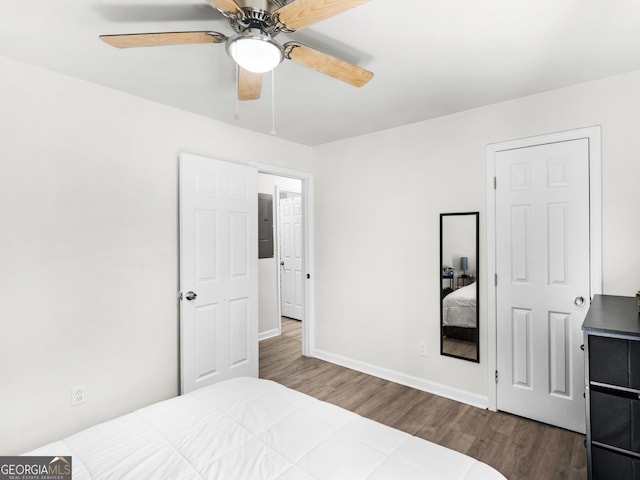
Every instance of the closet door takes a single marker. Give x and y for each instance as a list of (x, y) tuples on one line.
[(543, 280)]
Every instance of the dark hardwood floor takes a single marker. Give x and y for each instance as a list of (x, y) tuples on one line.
[(519, 448)]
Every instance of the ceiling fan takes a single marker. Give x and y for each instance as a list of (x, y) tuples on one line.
[(253, 48)]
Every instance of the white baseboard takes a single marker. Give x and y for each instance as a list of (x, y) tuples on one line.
[(406, 380), (268, 334)]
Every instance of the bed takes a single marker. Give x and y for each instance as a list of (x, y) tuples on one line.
[(459, 307), (246, 428)]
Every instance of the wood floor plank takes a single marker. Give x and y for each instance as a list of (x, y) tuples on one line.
[(519, 448)]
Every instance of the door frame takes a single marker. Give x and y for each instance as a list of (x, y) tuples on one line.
[(306, 178), (593, 135)]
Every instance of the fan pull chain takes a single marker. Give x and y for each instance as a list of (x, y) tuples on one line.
[(237, 115), (273, 102)]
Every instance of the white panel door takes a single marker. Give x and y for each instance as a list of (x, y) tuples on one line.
[(542, 263), (291, 279), (218, 271)]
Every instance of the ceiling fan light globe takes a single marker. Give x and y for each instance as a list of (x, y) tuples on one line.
[(255, 53)]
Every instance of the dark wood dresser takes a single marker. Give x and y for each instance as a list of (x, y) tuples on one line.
[(612, 370)]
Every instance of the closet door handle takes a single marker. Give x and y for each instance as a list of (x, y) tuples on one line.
[(579, 301), (191, 295)]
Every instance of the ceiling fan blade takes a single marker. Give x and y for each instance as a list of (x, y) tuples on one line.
[(249, 84), (162, 38), (225, 5), (301, 13), (323, 63)]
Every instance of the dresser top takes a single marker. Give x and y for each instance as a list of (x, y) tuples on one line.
[(614, 315)]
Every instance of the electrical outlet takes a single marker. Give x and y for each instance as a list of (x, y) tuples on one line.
[(78, 395), (422, 349)]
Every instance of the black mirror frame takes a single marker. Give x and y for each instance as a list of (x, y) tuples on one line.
[(477, 329)]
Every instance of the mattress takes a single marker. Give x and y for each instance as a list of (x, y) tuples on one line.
[(247, 428), (459, 307)]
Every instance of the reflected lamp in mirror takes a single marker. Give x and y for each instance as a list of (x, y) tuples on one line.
[(464, 264), (459, 317)]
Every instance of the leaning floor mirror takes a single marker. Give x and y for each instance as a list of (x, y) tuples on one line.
[(459, 319)]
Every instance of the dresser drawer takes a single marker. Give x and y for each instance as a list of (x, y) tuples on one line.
[(615, 420), (614, 361), (609, 465)]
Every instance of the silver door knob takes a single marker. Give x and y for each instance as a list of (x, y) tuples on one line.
[(191, 295), (579, 301)]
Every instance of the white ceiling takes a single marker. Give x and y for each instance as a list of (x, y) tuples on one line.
[(429, 57)]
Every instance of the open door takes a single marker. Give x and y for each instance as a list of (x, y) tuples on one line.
[(218, 271), (291, 278)]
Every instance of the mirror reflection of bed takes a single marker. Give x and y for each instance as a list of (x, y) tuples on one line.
[(459, 287), (459, 322)]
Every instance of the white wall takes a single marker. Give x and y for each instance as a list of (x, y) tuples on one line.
[(377, 204), (89, 251), (269, 324)]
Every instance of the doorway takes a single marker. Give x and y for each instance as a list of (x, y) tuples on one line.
[(285, 278), (543, 237), (219, 268)]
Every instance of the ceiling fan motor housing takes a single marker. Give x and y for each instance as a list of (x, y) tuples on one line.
[(255, 18)]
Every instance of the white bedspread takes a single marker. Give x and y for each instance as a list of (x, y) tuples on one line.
[(459, 307), (247, 428)]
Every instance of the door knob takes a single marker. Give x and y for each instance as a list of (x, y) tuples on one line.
[(191, 295), (579, 301), (282, 263)]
